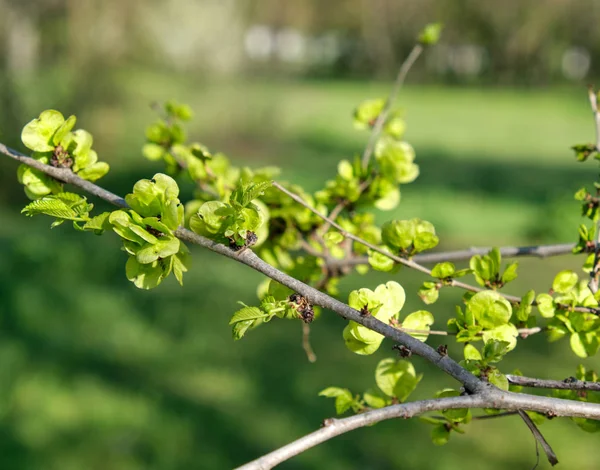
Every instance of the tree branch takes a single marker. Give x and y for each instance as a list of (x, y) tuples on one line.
[(595, 272), (380, 121), (334, 427), (539, 437), (570, 383), (538, 251), (498, 400)]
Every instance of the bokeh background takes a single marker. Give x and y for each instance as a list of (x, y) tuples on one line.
[(95, 374)]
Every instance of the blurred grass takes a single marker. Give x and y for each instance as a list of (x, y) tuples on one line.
[(95, 374)]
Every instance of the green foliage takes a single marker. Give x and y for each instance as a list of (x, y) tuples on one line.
[(449, 421), (409, 237), (147, 232), (430, 34), (235, 223), (276, 301), (53, 142), (588, 425), (486, 317), (384, 304), (343, 399), (583, 328), (486, 269), (396, 378)]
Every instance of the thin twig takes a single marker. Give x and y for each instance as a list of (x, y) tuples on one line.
[(380, 121), (310, 354), (595, 272), (539, 438), (570, 383), (538, 251), (346, 234), (523, 332)]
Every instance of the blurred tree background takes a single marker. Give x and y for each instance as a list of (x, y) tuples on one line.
[(95, 374)]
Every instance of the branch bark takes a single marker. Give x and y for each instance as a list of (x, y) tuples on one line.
[(570, 383), (595, 272), (539, 251), (497, 399)]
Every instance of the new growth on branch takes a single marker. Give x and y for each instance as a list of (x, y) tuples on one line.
[(305, 243)]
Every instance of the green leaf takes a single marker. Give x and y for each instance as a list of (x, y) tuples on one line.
[(239, 329), (163, 248), (420, 320), (359, 347), (504, 333), (374, 398), (443, 270), (494, 350), (510, 273), (398, 234), (429, 292), (391, 296), (210, 219), (153, 151), (37, 134), (402, 234), (94, 172), (545, 305), (84, 156), (430, 35), (37, 184), (396, 378), (396, 126), (425, 241), (180, 111), (99, 223), (144, 276), (64, 130), (584, 344), (244, 194), (471, 353), (389, 200), (379, 261), (523, 310), (247, 313), (366, 113), (345, 170), (440, 435), (495, 377), (565, 281), (333, 238), (489, 309), (343, 398), (181, 262), (51, 206)]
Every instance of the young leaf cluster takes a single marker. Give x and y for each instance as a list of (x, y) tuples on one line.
[(54, 142)]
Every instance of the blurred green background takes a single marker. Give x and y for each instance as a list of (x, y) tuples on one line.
[(95, 374)]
